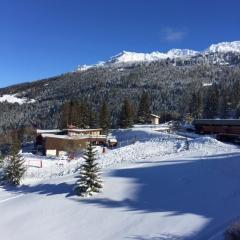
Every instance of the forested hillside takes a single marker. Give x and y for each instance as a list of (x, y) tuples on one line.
[(199, 86)]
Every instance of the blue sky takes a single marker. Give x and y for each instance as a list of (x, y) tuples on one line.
[(43, 38)]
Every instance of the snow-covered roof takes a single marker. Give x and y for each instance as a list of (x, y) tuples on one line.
[(42, 131), (84, 130), (153, 115), (67, 137)]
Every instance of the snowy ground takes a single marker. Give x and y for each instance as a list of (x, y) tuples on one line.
[(153, 189)]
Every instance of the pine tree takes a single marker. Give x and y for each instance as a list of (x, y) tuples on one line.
[(211, 102), (126, 115), (104, 118), (92, 118), (238, 111), (66, 115), (75, 113), (14, 170), (144, 109), (89, 181), (223, 104), (1, 165), (195, 105)]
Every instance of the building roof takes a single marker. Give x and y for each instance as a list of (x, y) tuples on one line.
[(79, 130), (153, 115), (228, 122), (67, 137), (45, 131)]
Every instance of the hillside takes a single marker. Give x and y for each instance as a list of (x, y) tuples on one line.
[(170, 79)]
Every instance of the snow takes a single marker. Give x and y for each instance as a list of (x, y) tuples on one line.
[(224, 47), (153, 189), (83, 67), (207, 84), (127, 57), (173, 53), (46, 131), (13, 98)]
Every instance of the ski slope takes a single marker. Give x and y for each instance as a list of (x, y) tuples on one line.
[(167, 195)]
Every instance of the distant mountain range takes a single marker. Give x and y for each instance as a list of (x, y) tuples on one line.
[(169, 78), (126, 57)]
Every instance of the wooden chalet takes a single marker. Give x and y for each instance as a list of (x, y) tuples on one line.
[(224, 128), (59, 142)]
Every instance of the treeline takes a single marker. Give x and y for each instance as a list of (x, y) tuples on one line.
[(216, 101), (83, 115)]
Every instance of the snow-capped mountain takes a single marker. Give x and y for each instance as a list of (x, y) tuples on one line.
[(174, 53), (225, 47), (127, 57)]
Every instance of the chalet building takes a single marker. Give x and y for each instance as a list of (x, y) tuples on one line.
[(225, 129), (59, 142), (154, 119)]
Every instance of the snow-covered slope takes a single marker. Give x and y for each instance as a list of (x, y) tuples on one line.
[(127, 57), (14, 99), (83, 67), (174, 53), (187, 195), (225, 47)]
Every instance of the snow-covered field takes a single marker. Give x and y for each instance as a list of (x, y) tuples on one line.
[(154, 188)]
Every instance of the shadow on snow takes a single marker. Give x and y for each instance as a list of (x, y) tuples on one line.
[(207, 187)]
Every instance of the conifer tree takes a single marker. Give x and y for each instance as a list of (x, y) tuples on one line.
[(92, 118), (14, 170), (1, 165), (89, 181), (195, 106), (223, 104), (104, 118), (238, 111), (144, 109), (211, 102), (126, 115), (75, 113)]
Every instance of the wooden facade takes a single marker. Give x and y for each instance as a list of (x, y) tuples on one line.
[(68, 140), (223, 128)]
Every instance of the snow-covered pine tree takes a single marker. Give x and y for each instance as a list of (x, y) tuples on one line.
[(14, 169), (89, 180)]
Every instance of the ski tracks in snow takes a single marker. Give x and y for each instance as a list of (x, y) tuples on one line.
[(7, 196)]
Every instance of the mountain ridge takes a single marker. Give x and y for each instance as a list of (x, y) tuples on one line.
[(128, 57)]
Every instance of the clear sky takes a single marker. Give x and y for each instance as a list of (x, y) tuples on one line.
[(43, 38)]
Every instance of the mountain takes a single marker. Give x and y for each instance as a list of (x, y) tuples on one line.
[(171, 79), (225, 47), (126, 57)]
